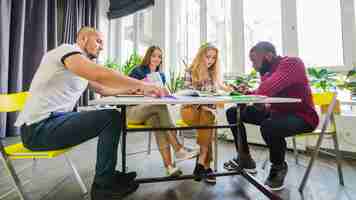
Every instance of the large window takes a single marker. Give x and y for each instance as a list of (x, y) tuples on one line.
[(144, 30), (219, 30), (318, 29), (262, 20), (319, 32), (128, 37), (188, 32)]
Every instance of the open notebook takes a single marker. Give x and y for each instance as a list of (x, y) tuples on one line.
[(196, 93)]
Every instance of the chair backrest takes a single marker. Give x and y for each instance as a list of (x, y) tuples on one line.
[(323, 100), (13, 102), (329, 106)]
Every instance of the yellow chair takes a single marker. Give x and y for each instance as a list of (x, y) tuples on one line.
[(179, 123), (15, 102), (329, 106)]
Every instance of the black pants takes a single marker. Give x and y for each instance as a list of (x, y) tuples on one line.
[(274, 128), (62, 130)]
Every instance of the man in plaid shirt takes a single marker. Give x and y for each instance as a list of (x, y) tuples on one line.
[(280, 77)]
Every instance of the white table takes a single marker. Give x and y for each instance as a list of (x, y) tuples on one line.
[(123, 102)]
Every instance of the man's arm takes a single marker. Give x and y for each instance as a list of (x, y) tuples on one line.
[(290, 72), (91, 71), (106, 91)]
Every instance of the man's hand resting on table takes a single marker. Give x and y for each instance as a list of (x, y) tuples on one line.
[(154, 90)]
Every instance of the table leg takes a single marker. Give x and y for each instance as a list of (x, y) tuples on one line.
[(243, 173), (124, 134)]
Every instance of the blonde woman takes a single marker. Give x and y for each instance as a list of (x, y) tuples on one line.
[(157, 115), (203, 75)]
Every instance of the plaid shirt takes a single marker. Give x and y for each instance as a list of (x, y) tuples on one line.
[(287, 78), (206, 86)]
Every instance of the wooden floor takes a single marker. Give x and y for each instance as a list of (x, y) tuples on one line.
[(54, 181)]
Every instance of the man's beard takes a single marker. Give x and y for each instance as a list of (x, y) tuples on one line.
[(92, 57), (265, 66)]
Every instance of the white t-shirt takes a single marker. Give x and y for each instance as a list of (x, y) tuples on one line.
[(54, 88)]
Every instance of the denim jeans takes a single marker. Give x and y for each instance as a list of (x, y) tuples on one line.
[(63, 130), (274, 128)]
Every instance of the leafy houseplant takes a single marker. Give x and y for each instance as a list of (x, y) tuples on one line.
[(250, 80), (112, 64), (348, 82), (322, 79), (131, 63), (175, 81), (128, 66)]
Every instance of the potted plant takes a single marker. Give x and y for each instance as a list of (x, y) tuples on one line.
[(251, 79), (348, 82), (128, 66), (131, 63), (322, 80), (175, 82), (112, 64)]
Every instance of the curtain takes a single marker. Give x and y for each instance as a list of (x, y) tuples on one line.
[(78, 13), (25, 35), (28, 29)]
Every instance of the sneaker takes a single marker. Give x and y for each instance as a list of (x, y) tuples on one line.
[(183, 154), (210, 179), (115, 191), (199, 172), (275, 179), (247, 163), (125, 177), (173, 171)]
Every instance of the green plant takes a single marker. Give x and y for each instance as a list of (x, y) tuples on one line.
[(250, 80), (348, 81), (322, 79), (127, 67), (176, 81), (131, 63), (112, 64)]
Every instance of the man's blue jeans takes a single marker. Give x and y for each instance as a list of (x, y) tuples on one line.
[(62, 130)]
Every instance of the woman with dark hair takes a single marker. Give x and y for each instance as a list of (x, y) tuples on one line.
[(158, 115)]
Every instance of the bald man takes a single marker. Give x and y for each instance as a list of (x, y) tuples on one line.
[(48, 123)]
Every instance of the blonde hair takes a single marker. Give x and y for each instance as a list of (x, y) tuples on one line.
[(199, 73)]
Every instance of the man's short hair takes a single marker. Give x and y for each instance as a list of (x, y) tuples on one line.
[(265, 47), (86, 29)]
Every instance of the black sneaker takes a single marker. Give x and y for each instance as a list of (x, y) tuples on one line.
[(199, 172), (125, 177), (210, 179), (115, 191), (247, 163), (275, 179)]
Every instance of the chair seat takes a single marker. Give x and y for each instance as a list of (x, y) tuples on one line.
[(18, 151), (315, 133), (132, 125), (181, 123)]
